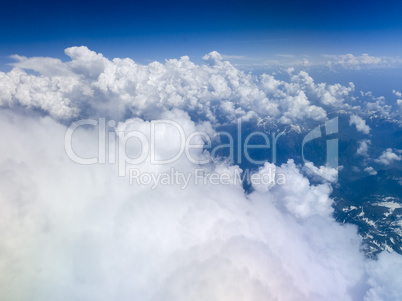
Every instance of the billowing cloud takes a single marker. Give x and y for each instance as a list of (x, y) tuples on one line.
[(388, 157), (85, 233), (397, 93), (370, 170), (359, 123), (330, 174), (81, 232), (380, 280), (399, 100), (91, 85), (362, 150)]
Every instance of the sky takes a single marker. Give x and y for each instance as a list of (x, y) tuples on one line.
[(73, 231), (89, 211), (156, 30)]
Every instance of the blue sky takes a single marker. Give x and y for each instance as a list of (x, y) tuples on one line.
[(155, 30)]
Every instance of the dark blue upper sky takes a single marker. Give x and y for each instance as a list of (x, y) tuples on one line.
[(164, 29)]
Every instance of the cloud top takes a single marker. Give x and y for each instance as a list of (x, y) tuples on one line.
[(79, 232), (360, 124), (91, 85)]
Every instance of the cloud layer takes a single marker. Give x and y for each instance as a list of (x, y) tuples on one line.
[(92, 85), (80, 232), (85, 234)]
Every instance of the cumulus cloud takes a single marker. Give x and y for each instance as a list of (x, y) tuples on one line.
[(363, 147), (80, 232), (399, 100), (397, 93), (399, 103), (325, 172), (377, 107), (360, 124), (370, 170), (380, 280), (86, 234), (388, 157), (91, 85)]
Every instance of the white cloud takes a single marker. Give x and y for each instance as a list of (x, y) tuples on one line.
[(68, 232), (71, 231), (350, 61), (398, 101), (334, 62), (330, 174), (362, 150), (388, 157), (380, 279), (370, 170), (91, 85), (306, 62), (397, 93), (360, 124)]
